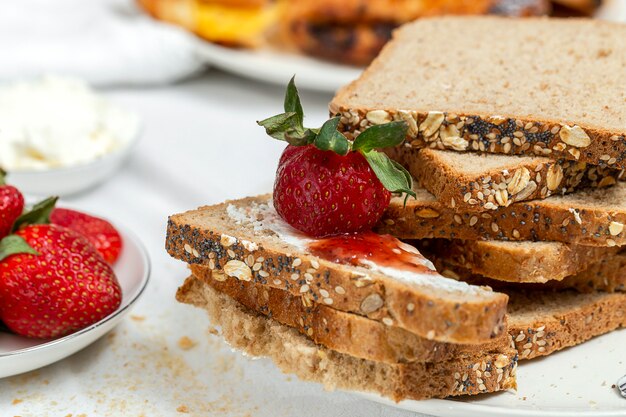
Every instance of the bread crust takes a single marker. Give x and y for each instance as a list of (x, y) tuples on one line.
[(608, 275), (522, 179), (294, 353), (523, 262), (491, 133), (575, 218), (209, 237)]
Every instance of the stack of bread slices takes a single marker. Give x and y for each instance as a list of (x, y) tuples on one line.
[(517, 145)]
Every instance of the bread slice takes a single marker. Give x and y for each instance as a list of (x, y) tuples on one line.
[(526, 262), (607, 275), (294, 353), (549, 321), (246, 239), (593, 217), (343, 332), (562, 316), (482, 182), (545, 87)]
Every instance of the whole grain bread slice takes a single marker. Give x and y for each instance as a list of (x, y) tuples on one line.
[(558, 320), (526, 262), (593, 217), (340, 331), (294, 353), (608, 275), (241, 239), (549, 320), (482, 182), (457, 94)]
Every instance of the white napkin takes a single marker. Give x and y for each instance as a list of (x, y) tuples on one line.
[(106, 42)]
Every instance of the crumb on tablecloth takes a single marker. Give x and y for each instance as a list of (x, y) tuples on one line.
[(186, 343)]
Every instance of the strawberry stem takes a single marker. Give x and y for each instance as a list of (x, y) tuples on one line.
[(288, 127)]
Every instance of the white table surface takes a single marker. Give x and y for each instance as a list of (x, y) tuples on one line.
[(200, 146)]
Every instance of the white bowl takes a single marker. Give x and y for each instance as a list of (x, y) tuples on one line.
[(71, 180), (21, 354)]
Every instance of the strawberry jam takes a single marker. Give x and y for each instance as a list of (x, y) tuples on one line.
[(369, 247)]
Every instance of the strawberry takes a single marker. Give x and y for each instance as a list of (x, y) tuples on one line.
[(53, 282), (11, 206), (327, 185), (322, 193), (102, 235)]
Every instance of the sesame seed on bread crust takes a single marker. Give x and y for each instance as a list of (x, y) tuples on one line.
[(432, 307), (482, 182), (294, 353), (545, 87), (592, 217), (524, 262)]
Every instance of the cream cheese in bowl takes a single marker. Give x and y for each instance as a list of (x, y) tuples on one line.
[(55, 125)]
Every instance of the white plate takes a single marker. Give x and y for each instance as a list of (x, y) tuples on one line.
[(277, 67), (575, 382), (20, 354), (71, 180)]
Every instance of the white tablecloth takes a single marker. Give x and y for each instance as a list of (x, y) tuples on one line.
[(200, 146)]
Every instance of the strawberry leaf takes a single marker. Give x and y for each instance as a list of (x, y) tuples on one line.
[(288, 126), (391, 174), (381, 136), (3, 175), (280, 125), (292, 101), (329, 139), (38, 214), (12, 245)]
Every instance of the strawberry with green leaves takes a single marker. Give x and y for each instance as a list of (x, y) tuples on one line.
[(327, 185), (11, 206), (52, 280)]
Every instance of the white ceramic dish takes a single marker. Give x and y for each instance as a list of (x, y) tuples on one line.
[(576, 382), (71, 180), (20, 354), (277, 67)]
